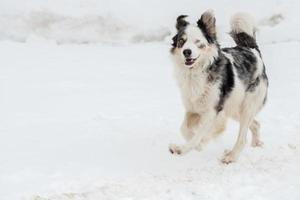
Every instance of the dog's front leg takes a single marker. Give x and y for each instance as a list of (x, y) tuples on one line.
[(190, 122), (205, 127)]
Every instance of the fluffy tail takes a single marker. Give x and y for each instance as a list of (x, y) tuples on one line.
[(243, 30)]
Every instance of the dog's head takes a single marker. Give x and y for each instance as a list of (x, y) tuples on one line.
[(195, 43)]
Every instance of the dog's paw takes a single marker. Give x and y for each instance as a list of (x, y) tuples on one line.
[(175, 149), (228, 157), (257, 143)]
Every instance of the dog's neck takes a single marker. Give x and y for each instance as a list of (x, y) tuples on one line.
[(191, 81)]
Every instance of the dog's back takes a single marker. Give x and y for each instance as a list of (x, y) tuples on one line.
[(246, 56)]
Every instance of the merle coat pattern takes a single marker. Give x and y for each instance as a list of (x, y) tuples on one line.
[(218, 83)]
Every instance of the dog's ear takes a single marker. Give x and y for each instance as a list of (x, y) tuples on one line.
[(181, 22), (174, 40), (207, 23), (174, 43)]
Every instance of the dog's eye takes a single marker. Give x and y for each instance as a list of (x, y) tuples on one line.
[(180, 42), (197, 41), (202, 46)]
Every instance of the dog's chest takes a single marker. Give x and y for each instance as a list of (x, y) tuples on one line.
[(195, 91)]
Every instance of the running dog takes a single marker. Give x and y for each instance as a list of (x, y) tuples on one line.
[(218, 83)]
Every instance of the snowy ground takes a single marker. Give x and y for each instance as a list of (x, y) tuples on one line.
[(94, 121), (80, 124)]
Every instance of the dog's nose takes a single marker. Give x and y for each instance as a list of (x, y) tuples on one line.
[(187, 53)]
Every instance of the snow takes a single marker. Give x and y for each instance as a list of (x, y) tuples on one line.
[(119, 21), (93, 121)]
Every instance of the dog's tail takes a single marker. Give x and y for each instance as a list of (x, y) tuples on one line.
[(243, 30)]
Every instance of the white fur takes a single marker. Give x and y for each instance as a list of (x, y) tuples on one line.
[(201, 122), (260, 64), (243, 22), (245, 106), (204, 56)]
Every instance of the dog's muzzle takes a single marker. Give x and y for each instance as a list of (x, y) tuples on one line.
[(190, 61)]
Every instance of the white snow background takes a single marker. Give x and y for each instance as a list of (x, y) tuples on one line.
[(88, 104)]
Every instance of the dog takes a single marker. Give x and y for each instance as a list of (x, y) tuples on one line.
[(218, 83)]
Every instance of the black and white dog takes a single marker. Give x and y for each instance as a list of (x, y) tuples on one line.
[(218, 83)]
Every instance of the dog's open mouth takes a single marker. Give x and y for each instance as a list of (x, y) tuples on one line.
[(190, 61)]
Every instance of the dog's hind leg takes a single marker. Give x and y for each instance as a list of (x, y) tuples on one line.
[(255, 128), (231, 156), (251, 105)]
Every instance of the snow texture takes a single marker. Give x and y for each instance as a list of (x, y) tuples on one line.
[(94, 121), (134, 21)]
